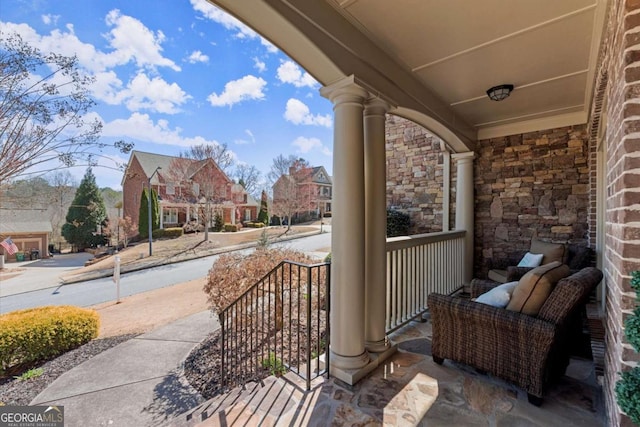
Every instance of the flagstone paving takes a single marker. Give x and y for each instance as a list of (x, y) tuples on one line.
[(408, 390)]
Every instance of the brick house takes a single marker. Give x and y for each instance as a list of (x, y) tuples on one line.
[(306, 190), (184, 187)]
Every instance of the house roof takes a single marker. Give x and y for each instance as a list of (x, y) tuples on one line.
[(20, 221)]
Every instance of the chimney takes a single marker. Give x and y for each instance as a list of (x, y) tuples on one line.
[(292, 170)]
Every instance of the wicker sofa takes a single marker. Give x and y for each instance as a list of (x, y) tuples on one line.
[(528, 351)]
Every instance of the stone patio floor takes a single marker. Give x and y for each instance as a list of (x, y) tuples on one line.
[(408, 390)]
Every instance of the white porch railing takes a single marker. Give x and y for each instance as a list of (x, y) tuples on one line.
[(418, 265)]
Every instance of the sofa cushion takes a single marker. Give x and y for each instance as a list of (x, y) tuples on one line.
[(551, 251), (498, 296), (530, 260), (535, 286)]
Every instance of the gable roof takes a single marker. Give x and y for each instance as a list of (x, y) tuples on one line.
[(150, 161), (24, 221)]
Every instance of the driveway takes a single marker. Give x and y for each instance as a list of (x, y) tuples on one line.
[(40, 274)]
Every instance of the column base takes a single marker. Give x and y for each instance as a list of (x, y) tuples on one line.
[(352, 376), (377, 346)]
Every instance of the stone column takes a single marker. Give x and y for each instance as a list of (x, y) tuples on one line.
[(347, 226), (464, 208), (375, 181)]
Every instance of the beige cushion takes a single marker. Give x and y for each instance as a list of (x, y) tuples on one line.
[(535, 286), (496, 275), (551, 251)]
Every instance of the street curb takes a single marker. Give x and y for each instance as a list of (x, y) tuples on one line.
[(99, 274)]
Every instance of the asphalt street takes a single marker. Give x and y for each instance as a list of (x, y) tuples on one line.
[(102, 290)]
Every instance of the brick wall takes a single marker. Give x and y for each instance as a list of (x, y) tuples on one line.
[(622, 252), (132, 187), (415, 174), (530, 185)]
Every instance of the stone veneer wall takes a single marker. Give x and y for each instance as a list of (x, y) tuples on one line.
[(415, 175), (530, 185), (621, 50)]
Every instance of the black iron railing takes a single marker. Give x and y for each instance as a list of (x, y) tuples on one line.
[(279, 325)]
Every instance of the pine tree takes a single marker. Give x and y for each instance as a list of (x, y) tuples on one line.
[(86, 215), (263, 215)]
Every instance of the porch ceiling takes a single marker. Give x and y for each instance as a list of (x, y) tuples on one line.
[(434, 59)]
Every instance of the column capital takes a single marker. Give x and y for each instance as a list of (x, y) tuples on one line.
[(345, 90), (376, 107), (469, 155)]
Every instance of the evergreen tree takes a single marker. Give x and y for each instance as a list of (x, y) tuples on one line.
[(263, 215), (143, 215), (86, 215), (143, 219)]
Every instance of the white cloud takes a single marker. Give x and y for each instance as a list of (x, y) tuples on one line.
[(305, 145), (297, 112), (131, 39), (235, 91), (50, 19), (251, 139), (128, 37), (289, 72), (155, 95), (259, 65), (197, 56), (241, 31), (142, 128)]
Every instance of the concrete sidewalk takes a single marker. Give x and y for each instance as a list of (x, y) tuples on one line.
[(137, 383)]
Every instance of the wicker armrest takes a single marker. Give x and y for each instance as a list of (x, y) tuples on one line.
[(481, 286)]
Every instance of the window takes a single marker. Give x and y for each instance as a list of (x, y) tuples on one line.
[(247, 214), (170, 216), (171, 188), (196, 189)]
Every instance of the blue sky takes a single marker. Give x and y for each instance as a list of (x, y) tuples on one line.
[(171, 74)]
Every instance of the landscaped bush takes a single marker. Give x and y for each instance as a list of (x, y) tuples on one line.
[(168, 233), (628, 387), (230, 227), (38, 334), (233, 273), (254, 224), (397, 223)]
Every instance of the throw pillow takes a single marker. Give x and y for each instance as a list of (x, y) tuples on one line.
[(535, 286), (530, 260), (498, 296), (551, 251)]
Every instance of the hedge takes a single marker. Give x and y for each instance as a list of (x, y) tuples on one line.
[(171, 233), (254, 224), (38, 334), (397, 223), (230, 227)]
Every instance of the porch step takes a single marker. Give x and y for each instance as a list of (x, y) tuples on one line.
[(270, 400)]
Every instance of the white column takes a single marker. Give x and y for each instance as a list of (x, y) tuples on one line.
[(347, 227), (465, 208), (161, 217), (375, 182)]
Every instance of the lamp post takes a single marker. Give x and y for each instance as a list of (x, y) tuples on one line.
[(149, 199)]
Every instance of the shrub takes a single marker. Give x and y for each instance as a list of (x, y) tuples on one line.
[(38, 334), (233, 273), (169, 233), (628, 387), (328, 257), (255, 224), (230, 227), (397, 223)]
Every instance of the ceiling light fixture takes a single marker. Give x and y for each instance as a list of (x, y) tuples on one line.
[(498, 93)]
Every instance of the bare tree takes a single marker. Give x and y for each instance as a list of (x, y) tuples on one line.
[(220, 154), (63, 189), (249, 177), (293, 191), (200, 183), (281, 166), (43, 116)]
